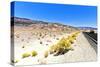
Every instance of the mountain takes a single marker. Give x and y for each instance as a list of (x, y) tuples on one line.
[(87, 28), (16, 21), (20, 21)]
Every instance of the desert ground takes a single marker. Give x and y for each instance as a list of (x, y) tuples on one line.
[(40, 41)]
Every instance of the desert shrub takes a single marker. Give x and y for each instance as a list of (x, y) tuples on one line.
[(73, 35), (46, 44), (71, 39), (64, 45), (38, 38), (40, 34), (51, 52), (34, 53), (77, 33), (67, 44), (56, 48), (46, 54), (23, 46), (59, 52), (40, 42), (52, 48), (62, 42), (27, 54), (60, 47), (14, 61), (57, 38), (22, 39)]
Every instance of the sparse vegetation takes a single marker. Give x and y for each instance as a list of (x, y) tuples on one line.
[(23, 46), (27, 54), (71, 39), (40, 42), (46, 54), (46, 44), (38, 38), (40, 34), (34, 53), (57, 38), (22, 39), (64, 45), (35, 38), (14, 61)]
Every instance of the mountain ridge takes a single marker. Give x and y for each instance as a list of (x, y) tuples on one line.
[(87, 28), (27, 22)]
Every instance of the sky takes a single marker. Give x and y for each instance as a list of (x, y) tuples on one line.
[(73, 15)]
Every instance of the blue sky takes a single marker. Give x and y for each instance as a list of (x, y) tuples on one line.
[(74, 15)]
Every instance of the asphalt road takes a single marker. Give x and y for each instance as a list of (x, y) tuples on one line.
[(92, 38)]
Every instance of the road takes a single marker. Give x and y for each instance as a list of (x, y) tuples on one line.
[(92, 38)]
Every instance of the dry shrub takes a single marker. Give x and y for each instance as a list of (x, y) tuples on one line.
[(63, 46), (34, 53), (27, 54), (23, 46), (41, 42), (46, 54), (14, 61)]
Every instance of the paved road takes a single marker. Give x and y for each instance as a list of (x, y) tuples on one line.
[(92, 38)]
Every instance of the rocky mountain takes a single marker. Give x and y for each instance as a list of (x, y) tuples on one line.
[(41, 24), (87, 28)]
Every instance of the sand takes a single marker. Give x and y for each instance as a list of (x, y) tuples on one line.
[(82, 50)]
